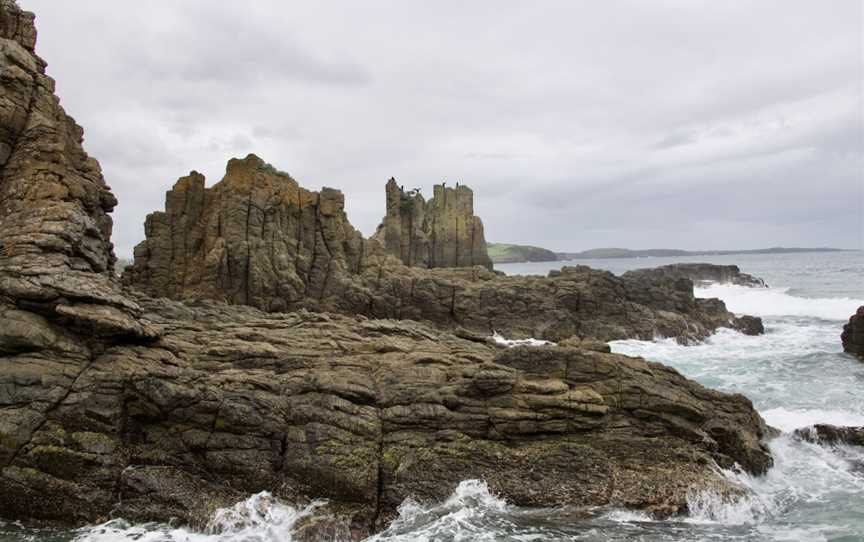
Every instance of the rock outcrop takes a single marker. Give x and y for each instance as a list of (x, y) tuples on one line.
[(701, 273), (257, 238), (853, 334), (231, 401), (116, 403), (441, 232), (831, 435)]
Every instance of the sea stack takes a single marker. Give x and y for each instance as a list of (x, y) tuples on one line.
[(254, 238), (440, 232)]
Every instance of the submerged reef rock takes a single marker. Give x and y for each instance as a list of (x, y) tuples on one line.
[(832, 435), (257, 238), (853, 334), (701, 273), (115, 403), (441, 232)]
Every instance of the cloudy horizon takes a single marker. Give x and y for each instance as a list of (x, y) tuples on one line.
[(673, 124)]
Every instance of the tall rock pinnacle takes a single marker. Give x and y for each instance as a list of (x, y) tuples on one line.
[(441, 232)]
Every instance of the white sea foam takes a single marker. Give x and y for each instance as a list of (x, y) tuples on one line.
[(500, 339), (788, 420), (260, 518), (779, 302), (627, 516), (465, 515)]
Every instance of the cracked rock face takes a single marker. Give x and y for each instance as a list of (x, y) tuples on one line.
[(55, 233), (231, 401), (441, 232), (255, 238)]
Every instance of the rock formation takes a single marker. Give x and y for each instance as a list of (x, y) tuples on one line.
[(56, 256), (115, 403), (257, 238), (441, 232), (231, 401), (701, 273), (832, 435), (254, 238), (853, 334)]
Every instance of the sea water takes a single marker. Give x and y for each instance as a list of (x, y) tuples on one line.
[(795, 374)]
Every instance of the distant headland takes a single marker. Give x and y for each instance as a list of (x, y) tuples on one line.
[(508, 253)]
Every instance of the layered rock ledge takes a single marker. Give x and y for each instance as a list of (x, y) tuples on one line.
[(230, 401)]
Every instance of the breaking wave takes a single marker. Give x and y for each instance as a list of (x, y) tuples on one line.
[(779, 302), (260, 518)]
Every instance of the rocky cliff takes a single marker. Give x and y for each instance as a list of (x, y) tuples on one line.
[(853, 334), (56, 256), (257, 238), (441, 232), (115, 403)]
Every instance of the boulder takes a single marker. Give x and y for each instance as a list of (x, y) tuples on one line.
[(853, 334)]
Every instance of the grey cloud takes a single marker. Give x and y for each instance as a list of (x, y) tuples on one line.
[(674, 140), (697, 124)]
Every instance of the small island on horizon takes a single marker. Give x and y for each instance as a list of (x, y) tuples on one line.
[(511, 253)]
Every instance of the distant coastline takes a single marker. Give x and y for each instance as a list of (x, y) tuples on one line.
[(507, 253)]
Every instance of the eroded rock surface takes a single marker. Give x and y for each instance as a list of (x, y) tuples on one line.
[(56, 255), (255, 238), (231, 401), (853, 334), (441, 232)]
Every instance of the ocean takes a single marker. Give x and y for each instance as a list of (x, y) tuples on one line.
[(795, 374)]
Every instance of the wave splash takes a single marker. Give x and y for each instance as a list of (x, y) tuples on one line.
[(465, 515), (260, 518), (779, 302)]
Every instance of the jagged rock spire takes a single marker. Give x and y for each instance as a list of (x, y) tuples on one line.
[(440, 232)]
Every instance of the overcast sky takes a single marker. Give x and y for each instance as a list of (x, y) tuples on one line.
[(579, 124)]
